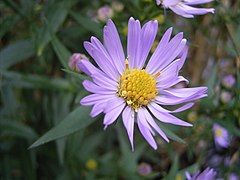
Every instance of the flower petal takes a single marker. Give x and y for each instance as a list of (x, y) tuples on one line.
[(111, 116), (148, 34), (151, 121), (154, 60), (133, 42), (146, 133), (172, 50), (113, 45), (128, 121), (101, 57), (95, 98), (166, 117), (93, 88), (114, 103), (180, 109), (97, 109), (87, 67)]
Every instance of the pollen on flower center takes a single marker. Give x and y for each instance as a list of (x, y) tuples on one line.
[(137, 87), (218, 132)]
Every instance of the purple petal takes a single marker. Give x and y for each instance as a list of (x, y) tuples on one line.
[(93, 88), (184, 92), (114, 103), (133, 43), (169, 73), (111, 116), (196, 2), (148, 34), (166, 117), (172, 50), (151, 121), (96, 98), (154, 60), (180, 109), (97, 109), (113, 45), (180, 11), (195, 11), (143, 120), (87, 67), (101, 57), (128, 121), (103, 81), (171, 83), (146, 133)]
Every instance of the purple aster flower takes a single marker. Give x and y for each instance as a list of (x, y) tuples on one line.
[(134, 88), (144, 169), (184, 7), (221, 136), (228, 81), (207, 174), (74, 60), (104, 13)]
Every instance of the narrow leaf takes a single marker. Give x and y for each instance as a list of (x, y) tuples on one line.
[(75, 121), (15, 53)]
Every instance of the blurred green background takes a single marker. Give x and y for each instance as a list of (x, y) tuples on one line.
[(38, 91)]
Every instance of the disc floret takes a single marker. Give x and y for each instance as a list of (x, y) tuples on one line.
[(137, 87)]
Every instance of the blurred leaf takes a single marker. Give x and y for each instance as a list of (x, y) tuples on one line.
[(15, 53), (15, 128), (129, 158), (211, 83), (62, 52), (174, 169), (169, 133), (55, 15), (87, 23), (61, 106), (77, 75), (35, 81), (75, 121), (7, 24)]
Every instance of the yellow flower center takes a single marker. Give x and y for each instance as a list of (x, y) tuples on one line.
[(218, 132), (137, 87)]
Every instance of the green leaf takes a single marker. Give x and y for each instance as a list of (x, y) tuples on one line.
[(75, 121), (15, 128), (60, 50), (56, 15), (87, 23), (170, 134), (15, 53), (33, 81), (77, 75), (174, 168)]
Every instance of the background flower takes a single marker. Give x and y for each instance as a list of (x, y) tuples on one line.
[(221, 136), (184, 7)]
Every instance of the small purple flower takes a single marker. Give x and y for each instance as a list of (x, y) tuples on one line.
[(228, 81), (134, 88), (233, 176), (74, 60), (221, 136), (207, 174), (104, 13), (144, 169), (184, 7), (225, 97)]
